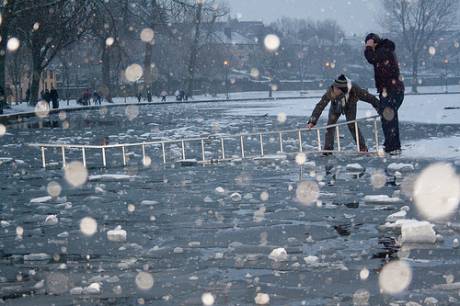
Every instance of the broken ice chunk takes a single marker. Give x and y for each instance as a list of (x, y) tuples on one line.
[(418, 232), (76, 291), (309, 260), (236, 197), (37, 257), (381, 199), (397, 216), (279, 254), (220, 190), (94, 288), (401, 167), (41, 199), (117, 234), (51, 220), (149, 203), (355, 168)]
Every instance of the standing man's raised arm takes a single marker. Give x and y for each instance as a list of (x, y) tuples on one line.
[(370, 55)]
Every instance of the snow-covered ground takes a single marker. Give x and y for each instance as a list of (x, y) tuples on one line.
[(445, 148), (24, 107), (419, 108)]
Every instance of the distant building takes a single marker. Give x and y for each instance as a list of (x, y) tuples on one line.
[(239, 38)]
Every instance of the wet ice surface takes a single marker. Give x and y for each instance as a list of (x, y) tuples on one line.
[(210, 229)]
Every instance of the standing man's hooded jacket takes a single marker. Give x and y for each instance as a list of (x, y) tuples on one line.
[(386, 67)]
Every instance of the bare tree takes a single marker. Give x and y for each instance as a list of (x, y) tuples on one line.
[(104, 31), (10, 11), (203, 12), (417, 23), (49, 29), (18, 65), (154, 16)]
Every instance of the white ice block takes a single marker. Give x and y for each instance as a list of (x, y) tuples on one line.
[(355, 168), (117, 234), (401, 167), (279, 254), (418, 232), (381, 199)]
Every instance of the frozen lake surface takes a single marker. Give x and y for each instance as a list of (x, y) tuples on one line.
[(211, 229)]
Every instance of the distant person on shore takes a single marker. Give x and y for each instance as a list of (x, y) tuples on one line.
[(344, 96), (139, 97), (381, 54), (87, 97), (149, 96), (54, 96), (178, 96), (47, 96), (97, 98), (28, 95), (183, 96), (163, 94)]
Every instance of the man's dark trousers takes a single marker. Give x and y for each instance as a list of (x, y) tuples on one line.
[(389, 106), (350, 114)]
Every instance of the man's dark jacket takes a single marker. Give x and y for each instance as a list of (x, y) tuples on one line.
[(356, 94), (386, 67)]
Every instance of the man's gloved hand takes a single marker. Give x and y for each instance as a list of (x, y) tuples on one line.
[(310, 125)]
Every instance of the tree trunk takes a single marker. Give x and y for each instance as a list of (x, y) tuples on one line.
[(37, 70), (148, 65), (3, 42), (106, 77), (415, 74), (194, 50), (35, 87), (154, 15)]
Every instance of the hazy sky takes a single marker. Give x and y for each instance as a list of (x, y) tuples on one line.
[(355, 16)]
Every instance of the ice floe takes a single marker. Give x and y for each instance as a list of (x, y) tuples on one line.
[(116, 177), (41, 199), (37, 257), (355, 167), (401, 167), (381, 199), (117, 234), (278, 254), (51, 220), (418, 232)]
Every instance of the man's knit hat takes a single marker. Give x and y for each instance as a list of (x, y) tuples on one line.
[(341, 82)]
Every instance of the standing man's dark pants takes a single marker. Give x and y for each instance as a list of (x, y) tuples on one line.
[(350, 114), (389, 106)]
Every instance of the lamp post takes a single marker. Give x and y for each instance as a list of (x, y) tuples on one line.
[(327, 65), (226, 65), (301, 56), (446, 63)]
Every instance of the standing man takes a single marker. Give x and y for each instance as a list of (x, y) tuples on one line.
[(54, 96), (46, 96), (344, 96), (381, 54)]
